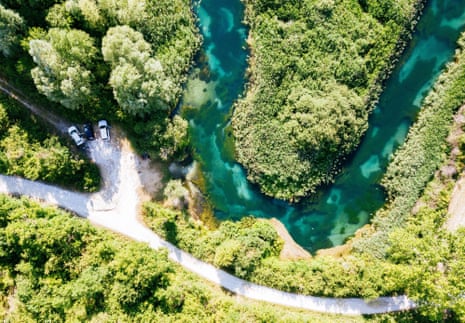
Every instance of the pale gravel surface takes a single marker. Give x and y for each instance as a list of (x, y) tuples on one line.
[(456, 209), (116, 207)]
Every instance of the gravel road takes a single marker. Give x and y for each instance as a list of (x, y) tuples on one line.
[(116, 207)]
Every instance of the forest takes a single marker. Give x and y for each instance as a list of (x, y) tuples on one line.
[(124, 61), (316, 68)]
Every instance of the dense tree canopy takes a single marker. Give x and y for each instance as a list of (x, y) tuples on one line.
[(315, 65), (54, 267), (122, 60), (27, 150), (11, 27), (138, 79), (63, 72)]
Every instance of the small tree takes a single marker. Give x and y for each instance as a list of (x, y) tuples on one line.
[(176, 139), (175, 194)]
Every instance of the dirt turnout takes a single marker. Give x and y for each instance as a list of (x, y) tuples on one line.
[(457, 206), (456, 209)]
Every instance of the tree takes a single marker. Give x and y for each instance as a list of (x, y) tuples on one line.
[(176, 139), (63, 67), (175, 194), (124, 44), (139, 82), (11, 27)]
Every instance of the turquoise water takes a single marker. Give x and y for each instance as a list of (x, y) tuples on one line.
[(340, 209)]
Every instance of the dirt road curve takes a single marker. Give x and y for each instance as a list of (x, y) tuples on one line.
[(116, 207), (56, 121)]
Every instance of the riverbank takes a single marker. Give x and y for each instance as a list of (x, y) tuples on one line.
[(116, 207), (291, 250), (350, 202), (415, 163)]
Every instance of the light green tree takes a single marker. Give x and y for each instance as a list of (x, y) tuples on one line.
[(63, 67), (11, 27), (139, 82), (176, 139)]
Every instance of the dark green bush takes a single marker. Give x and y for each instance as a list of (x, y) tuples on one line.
[(27, 150)]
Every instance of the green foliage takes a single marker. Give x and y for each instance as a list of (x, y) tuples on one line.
[(419, 240), (63, 61), (423, 261), (11, 27), (437, 258), (139, 82), (237, 247), (27, 150), (137, 86), (176, 140), (58, 268), (176, 194), (34, 11), (250, 248), (414, 164), (315, 67)]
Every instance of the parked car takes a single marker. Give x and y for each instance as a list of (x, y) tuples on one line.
[(89, 131), (104, 129), (76, 136)]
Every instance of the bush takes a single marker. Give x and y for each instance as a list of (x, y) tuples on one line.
[(237, 247), (27, 150), (58, 268)]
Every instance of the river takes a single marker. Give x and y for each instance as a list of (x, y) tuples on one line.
[(356, 195)]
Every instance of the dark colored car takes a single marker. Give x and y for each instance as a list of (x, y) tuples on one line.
[(89, 131)]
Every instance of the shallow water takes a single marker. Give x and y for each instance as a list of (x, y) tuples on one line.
[(348, 204)]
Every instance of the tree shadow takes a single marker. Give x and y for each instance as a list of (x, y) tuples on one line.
[(171, 231)]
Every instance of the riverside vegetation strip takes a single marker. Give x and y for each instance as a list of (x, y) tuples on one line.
[(58, 268)]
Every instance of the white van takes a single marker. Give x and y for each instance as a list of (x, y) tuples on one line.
[(104, 129)]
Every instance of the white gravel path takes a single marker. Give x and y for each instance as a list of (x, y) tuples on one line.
[(117, 218), (116, 207)]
